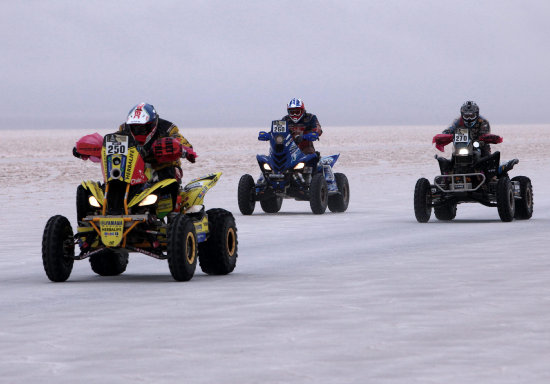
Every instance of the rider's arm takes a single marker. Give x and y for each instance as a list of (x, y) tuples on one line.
[(175, 133), (484, 127), (451, 129)]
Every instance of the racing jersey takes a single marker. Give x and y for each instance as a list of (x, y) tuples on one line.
[(307, 124)]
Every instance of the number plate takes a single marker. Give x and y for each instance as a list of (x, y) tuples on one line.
[(278, 126), (462, 136), (116, 145)]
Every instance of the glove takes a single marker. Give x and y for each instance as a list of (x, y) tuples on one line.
[(298, 138), (191, 156), (76, 154)]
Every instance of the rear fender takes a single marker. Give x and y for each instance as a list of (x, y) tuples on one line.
[(161, 184), (94, 189), (193, 193)]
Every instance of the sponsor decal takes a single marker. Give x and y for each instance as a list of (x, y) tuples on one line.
[(130, 165)]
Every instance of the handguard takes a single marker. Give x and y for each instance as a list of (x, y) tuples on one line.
[(89, 147), (441, 140), (311, 136), (167, 149), (490, 138)]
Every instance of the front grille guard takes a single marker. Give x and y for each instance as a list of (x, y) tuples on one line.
[(457, 182)]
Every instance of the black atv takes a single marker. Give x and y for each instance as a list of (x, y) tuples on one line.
[(470, 177)]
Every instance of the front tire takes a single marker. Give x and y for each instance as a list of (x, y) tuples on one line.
[(524, 207), (246, 194), (109, 263), (82, 203), (182, 248), (218, 254), (58, 248), (340, 202), (505, 199), (422, 200), (445, 212), (272, 204), (318, 192)]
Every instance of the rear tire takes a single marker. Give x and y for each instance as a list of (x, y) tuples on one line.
[(246, 194), (58, 248), (218, 254), (505, 199), (340, 202), (109, 262), (422, 200), (318, 192), (524, 207), (272, 205), (445, 212), (182, 248)]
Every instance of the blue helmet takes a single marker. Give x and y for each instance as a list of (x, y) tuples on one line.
[(142, 122), (469, 113), (296, 109)]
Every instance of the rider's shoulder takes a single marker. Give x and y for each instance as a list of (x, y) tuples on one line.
[(309, 117), (483, 120)]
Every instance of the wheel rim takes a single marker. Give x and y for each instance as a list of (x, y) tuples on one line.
[(190, 248), (230, 242)]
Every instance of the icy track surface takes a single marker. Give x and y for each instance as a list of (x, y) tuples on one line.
[(367, 296)]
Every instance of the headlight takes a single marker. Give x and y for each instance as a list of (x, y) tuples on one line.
[(299, 166), (267, 167), (463, 151), (93, 202), (476, 144), (151, 199), (279, 139)]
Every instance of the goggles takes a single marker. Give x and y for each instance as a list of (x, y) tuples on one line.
[(469, 116), (295, 112), (141, 129)]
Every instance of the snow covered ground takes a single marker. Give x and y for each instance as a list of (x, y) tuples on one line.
[(367, 296)]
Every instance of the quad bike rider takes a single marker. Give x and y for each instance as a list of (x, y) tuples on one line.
[(141, 207), (146, 127), (472, 174), (294, 169)]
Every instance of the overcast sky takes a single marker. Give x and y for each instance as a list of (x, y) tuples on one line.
[(237, 63)]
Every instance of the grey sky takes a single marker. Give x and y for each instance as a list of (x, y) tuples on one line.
[(237, 63)]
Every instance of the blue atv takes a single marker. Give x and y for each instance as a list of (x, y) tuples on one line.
[(288, 173)]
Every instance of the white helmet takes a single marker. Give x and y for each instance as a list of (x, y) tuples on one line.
[(296, 109)]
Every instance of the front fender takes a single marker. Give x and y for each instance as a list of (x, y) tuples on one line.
[(193, 193), (161, 184), (263, 159), (95, 190)]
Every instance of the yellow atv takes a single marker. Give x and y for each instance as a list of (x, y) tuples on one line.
[(132, 213)]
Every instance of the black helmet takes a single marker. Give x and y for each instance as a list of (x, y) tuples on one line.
[(469, 113)]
